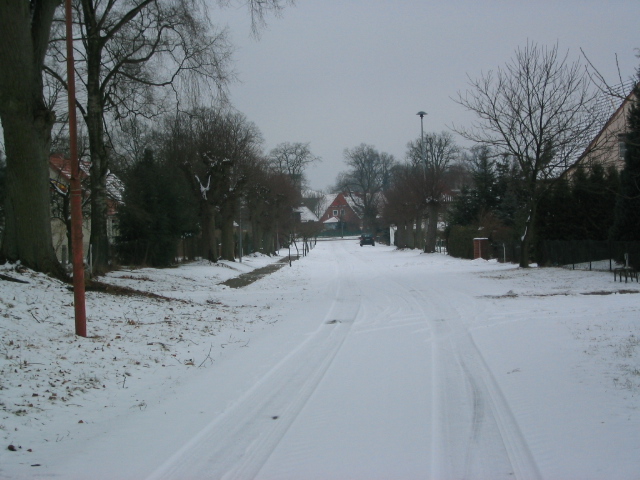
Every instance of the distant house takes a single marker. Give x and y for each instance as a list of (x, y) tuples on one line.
[(303, 214), (608, 145), (339, 212), (59, 180)]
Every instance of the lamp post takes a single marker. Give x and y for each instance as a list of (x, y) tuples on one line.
[(422, 114)]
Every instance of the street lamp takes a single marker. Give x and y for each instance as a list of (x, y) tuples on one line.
[(422, 114)]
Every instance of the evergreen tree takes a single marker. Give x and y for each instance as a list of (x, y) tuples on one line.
[(484, 178), (601, 187), (583, 198), (475, 202), (556, 214), (464, 209), (509, 193), (627, 212), (158, 209)]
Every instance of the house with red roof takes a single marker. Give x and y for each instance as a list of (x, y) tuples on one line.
[(339, 212)]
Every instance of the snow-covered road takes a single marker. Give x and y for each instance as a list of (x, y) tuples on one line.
[(373, 363), (389, 384)]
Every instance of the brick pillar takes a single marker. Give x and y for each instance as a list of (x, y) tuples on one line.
[(481, 248)]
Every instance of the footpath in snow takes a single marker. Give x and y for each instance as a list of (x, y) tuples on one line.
[(353, 362)]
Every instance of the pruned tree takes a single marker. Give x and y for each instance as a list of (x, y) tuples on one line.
[(27, 122), (292, 159), (234, 143), (365, 181), (215, 148), (539, 109)]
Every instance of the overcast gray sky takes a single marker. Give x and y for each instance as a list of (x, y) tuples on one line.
[(338, 73)]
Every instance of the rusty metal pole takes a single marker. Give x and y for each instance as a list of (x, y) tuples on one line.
[(76, 188)]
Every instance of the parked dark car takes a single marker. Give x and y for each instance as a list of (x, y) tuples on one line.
[(367, 239)]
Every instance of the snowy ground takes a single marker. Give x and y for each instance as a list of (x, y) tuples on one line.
[(355, 362)]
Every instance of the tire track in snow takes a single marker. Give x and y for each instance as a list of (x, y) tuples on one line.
[(494, 437), (474, 433), (237, 444)]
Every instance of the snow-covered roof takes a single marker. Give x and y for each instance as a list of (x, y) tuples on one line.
[(325, 201), (351, 203), (332, 220), (306, 215)]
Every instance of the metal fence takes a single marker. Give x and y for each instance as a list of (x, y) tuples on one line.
[(589, 254), (506, 252)]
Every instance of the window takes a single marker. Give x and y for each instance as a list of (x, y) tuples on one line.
[(342, 212), (622, 146), (335, 213)]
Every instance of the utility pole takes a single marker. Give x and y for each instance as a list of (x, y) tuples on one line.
[(76, 188)]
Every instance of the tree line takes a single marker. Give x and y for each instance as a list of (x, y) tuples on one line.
[(136, 62), (523, 180), (143, 68), (203, 172)]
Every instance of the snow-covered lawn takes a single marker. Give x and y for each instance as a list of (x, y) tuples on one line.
[(355, 362)]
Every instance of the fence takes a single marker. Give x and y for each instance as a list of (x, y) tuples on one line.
[(588, 254)]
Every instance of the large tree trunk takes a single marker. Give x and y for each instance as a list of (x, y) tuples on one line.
[(256, 237), (227, 240), (99, 240), (27, 127), (419, 238), (411, 234), (432, 228), (267, 243), (207, 220), (401, 235), (527, 237), (27, 236)]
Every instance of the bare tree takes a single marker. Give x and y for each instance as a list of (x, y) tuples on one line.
[(404, 206), (369, 175), (430, 161), (130, 53), (27, 122), (617, 91), (270, 198), (539, 109), (232, 146), (292, 159), (216, 148), (133, 56)]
